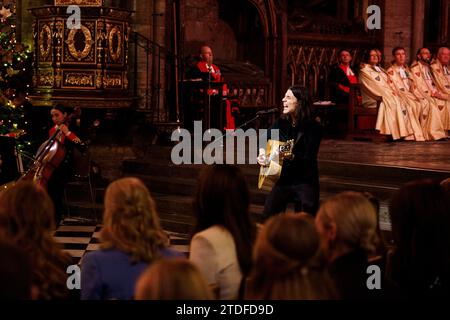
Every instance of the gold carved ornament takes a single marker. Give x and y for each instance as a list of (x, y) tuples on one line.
[(115, 52), (79, 79), (45, 41), (85, 3), (72, 45)]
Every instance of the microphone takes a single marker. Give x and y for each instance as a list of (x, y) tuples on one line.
[(270, 111)]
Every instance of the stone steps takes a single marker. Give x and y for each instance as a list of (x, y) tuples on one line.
[(173, 186)]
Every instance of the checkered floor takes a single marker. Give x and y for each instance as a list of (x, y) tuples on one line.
[(79, 239)]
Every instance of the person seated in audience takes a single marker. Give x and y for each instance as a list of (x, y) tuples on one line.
[(174, 279), (131, 239), (380, 254), (377, 90), (426, 83), (27, 221), (400, 75), (221, 246), (420, 220), (347, 225), (341, 77), (286, 262), (15, 274)]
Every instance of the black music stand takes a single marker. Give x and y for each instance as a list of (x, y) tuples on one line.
[(198, 104), (8, 162)]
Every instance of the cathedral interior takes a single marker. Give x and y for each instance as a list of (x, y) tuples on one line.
[(128, 66)]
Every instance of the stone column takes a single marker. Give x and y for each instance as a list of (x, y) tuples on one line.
[(397, 27), (26, 23), (159, 60), (418, 26), (142, 24)]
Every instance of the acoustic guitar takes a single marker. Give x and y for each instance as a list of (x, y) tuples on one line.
[(276, 152)]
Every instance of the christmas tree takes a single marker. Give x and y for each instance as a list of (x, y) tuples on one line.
[(15, 77)]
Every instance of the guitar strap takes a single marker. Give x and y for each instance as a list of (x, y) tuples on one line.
[(299, 135)]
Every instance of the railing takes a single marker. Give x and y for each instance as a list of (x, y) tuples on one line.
[(154, 84)]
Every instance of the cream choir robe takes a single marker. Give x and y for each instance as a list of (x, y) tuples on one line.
[(392, 116), (426, 84), (441, 75), (399, 75)]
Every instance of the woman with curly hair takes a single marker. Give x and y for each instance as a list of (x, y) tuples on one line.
[(27, 221), (131, 239)]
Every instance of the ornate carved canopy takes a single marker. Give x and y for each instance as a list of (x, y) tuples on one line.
[(84, 67)]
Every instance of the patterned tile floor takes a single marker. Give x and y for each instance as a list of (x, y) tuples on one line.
[(78, 239)]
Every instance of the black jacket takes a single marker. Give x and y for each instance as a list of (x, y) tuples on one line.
[(303, 167), (338, 77)]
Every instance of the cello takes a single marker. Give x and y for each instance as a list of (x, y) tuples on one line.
[(49, 156)]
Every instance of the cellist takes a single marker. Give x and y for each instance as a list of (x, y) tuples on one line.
[(64, 172)]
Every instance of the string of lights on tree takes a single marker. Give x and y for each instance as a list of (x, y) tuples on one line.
[(15, 78)]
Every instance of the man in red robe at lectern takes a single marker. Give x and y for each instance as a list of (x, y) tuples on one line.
[(209, 72)]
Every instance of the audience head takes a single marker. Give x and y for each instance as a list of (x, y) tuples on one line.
[(27, 208), (347, 222), (15, 273), (420, 219), (443, 55), (223, 199), (172, 279), (399, 54), (345, 57), (26, 221), (423, 55), (206, 54), (285, 261), (130, 220)]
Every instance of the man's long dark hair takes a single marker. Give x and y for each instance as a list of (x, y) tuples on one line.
[(303, 113), (223, 198)]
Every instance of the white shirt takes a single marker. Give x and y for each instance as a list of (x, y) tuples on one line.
[(213, 251)]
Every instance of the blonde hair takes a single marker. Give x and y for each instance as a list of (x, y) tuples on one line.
[(26, 220), (286, 261), (172, 279), (130, 221), (355, 219)]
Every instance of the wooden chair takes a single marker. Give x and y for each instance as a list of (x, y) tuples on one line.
[(356, 110)]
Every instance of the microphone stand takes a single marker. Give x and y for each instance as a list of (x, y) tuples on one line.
[(226, 134), (208, 92)]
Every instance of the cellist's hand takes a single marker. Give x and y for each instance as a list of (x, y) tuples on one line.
[(64, 129)]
